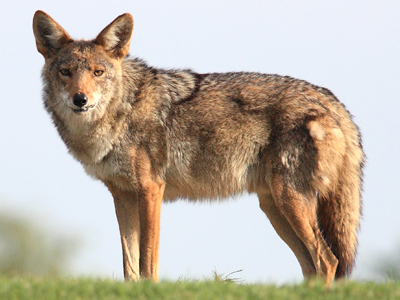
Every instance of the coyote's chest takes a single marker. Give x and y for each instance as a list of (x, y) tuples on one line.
[(97, 153), (92, 153), (112, 168)]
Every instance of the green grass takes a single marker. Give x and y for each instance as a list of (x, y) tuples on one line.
[(20, 288)]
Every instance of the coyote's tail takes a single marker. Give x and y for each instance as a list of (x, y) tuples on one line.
[(339, 190)]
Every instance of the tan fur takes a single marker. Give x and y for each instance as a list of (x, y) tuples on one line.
[(152, 135)]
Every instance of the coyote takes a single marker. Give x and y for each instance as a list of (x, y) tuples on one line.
[(151, 134)]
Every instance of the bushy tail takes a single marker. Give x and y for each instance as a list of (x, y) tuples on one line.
[(339, 206)]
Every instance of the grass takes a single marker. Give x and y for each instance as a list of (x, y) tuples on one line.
[(20, 288)]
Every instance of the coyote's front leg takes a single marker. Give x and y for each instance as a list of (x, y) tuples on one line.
[(150, 199), (138, 215), (127, 210)]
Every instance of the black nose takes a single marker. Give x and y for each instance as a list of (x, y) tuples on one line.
[(80, 99)]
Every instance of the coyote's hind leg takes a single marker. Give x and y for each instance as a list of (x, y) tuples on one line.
[(287, 234), (300, 211)]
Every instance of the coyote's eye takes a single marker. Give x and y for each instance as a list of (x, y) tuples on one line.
[(65, 72), (98, 73)]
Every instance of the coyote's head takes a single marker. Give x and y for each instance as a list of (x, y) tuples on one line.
[(81, 77)]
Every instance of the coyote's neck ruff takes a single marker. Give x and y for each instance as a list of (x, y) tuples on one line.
[(151, 134)]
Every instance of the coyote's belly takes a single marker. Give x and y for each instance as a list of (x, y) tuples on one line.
[(201, 175)]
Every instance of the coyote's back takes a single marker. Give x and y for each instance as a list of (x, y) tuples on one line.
[(151, 134)]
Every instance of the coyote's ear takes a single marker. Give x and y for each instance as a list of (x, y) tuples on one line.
[(50, 37), (116, 37)]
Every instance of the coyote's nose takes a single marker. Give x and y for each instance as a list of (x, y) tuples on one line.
[(80, 99)]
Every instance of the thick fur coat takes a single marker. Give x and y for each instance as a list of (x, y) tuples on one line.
[(151, 135)]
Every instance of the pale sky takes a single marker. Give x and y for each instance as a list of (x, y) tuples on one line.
[(349, 47)]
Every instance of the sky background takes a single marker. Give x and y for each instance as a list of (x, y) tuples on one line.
[(350, 47)]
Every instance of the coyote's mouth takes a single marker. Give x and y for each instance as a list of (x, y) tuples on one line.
[(82, 110)]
